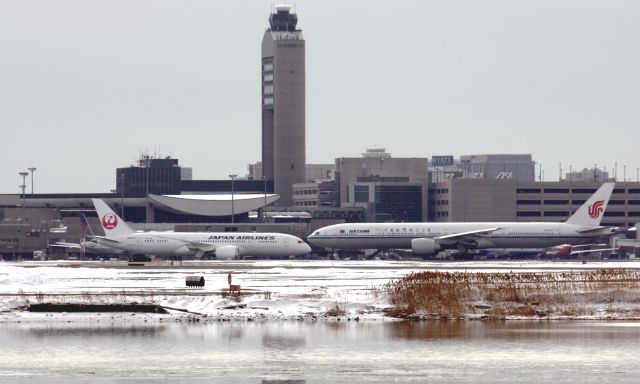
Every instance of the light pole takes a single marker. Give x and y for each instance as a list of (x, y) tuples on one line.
[(233, 177), (570, 174), (264, 209), (559, 171), (146, 167), (23, 187), (540, 172), (465, 169), (32, 169)]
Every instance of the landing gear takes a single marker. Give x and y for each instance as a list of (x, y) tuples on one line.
[(345, 255), (139, 258), (466, 255)]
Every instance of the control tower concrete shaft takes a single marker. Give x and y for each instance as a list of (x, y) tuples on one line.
[(283, 103)]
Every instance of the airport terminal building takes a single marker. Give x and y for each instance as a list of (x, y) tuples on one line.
[(373, 188), (510, 200), (155, 193)]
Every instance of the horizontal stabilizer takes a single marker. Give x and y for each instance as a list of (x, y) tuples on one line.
[(596, 230), (103, 239), (62, 244)]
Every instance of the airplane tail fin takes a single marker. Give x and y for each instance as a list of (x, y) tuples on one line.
[(112, 224), (86, 228), (591, 212)]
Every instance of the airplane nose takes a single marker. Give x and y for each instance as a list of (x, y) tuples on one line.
[(312, 239)]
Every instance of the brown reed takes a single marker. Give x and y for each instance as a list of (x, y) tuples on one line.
[(453, 294)]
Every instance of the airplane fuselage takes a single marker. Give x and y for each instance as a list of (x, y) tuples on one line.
[(177, 243), (399, 235)]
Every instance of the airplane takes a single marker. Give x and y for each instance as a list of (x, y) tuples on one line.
[(428, 239), (224, 245), (88, 246)]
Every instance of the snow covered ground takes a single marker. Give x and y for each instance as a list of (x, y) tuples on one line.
[(270, 289)]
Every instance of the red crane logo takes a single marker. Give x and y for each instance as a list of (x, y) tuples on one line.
[(109, 221)]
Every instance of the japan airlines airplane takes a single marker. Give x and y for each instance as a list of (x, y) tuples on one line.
[(224, 245), (427, 239)]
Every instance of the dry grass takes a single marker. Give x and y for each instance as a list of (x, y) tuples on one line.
[(335, 311), (452, 294), (573, 311)]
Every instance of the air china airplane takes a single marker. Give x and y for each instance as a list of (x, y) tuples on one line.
[(427, 239), (224, 245)]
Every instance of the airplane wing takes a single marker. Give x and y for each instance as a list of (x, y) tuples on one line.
[(199, 248), (594, 250), (62, 244), (194, 245), (204, 247), (468, 233)]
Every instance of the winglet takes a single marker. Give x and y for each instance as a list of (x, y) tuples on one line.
[(112, 224), (591, 212)]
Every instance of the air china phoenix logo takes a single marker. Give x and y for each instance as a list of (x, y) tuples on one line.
[(595, 209), (109, 221)]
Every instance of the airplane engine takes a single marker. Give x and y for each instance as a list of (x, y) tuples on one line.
[(228, 252), (424, 247)]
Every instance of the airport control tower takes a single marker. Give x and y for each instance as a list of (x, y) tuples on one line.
[(283, 103)]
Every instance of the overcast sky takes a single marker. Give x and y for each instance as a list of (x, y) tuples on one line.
[(87, 86)]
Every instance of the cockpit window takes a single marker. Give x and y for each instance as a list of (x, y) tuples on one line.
[(300, 241), (316, 234)]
